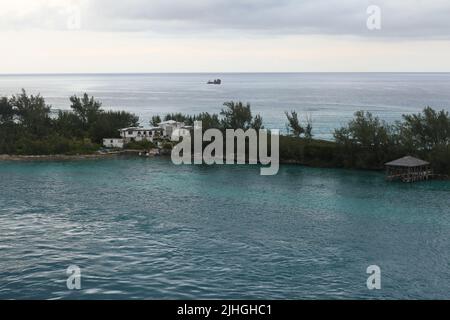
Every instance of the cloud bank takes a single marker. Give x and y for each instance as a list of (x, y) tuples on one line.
[(400, 18)]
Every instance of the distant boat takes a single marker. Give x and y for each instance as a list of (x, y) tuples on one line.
[(216, 81)]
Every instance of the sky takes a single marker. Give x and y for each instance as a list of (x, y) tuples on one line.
[(109, 36)]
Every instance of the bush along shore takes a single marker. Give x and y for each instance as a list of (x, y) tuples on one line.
[(29, 130)]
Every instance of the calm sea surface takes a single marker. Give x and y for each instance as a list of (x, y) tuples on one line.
[(144, 228), (330, 98)]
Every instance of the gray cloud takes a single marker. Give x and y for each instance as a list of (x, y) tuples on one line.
[(400, 18), (248, 15)]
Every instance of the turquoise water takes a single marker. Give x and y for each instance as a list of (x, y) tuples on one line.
[(144, 228), (329, 98)]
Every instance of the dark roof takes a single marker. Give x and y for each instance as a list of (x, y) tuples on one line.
[(407, 162)]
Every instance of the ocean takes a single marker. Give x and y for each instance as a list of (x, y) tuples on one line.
[(329, 98), (147, 229)]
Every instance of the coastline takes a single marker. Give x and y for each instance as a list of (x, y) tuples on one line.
[(57, 157), (113, 154), (64, 157)]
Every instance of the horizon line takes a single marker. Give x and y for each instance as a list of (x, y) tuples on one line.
[(219, 72)]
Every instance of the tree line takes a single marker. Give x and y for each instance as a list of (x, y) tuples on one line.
[(28, 127), (368, 142)]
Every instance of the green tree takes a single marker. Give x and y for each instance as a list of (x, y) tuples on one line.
[(424, 131), (365, 130), (209, 121), (236, 116), (6, 111), (108, 123), (86, 108), (309, 128), (294, 125), (155, 120), (32, 112), (366, 142), (69, 125), (257, 122)]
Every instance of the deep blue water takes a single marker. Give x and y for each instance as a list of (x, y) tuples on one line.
[(144, 228), (330, 98)]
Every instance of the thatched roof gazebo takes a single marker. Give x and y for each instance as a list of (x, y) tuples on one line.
[(408, 169)]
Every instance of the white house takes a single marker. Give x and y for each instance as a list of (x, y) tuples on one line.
[(169, 127), (140, 134), (113, 143), (133, 134), (164, 131)]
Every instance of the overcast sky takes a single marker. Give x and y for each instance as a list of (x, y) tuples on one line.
[(51, 36)]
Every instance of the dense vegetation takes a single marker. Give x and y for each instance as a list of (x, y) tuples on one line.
[(140, 145), (368, 142), (365, 143), (27, 126)]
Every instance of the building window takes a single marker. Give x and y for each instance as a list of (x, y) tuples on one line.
[(130, 133)]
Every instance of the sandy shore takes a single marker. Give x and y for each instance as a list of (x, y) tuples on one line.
[(58, 157), (62, 157)]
